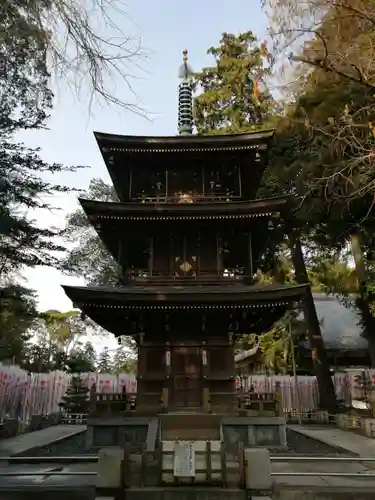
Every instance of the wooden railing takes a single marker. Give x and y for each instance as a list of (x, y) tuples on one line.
[(186, 198), (252, 404), (114, 403), (203, 278), (260, 404)]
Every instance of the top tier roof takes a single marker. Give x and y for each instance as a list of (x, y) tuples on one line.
[(184, 144), (125, 155)]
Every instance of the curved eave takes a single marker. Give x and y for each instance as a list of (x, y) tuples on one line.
[(138, 211), (184, 297), (190, 143)]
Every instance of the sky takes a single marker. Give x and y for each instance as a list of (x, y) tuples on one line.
[(165, 29)]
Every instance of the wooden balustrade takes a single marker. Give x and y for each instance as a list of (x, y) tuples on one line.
[(193, 198), (254, 404), (112, 403), (202, 279)]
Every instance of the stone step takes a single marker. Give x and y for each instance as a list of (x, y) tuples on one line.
[(190, 426), (190, 434), (185, 493)]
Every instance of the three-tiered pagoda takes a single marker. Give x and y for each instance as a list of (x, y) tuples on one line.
[(188, 236)]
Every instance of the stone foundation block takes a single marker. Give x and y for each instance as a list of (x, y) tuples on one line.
[(109, 467), (258, 469), (368, 427), (342, 421)]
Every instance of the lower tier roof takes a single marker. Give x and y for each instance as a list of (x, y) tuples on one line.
[(117, 309), (159, 296)]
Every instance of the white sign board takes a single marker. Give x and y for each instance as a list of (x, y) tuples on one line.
[(184, 459)]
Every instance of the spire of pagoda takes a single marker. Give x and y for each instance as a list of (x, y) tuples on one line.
[(185, 98)]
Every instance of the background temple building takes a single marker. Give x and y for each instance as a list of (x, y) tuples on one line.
[(345, 346)]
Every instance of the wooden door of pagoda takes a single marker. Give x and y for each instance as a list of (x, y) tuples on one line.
[(185, 258), (186, 373)]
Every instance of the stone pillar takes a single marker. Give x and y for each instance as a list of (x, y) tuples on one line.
[(257, 470), (109, 470)]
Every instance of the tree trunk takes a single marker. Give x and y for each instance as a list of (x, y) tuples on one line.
[(319, 357), (363, 302)]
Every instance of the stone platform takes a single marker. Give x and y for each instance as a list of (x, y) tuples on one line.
[(267, 432), (31, 441), (338, 438)]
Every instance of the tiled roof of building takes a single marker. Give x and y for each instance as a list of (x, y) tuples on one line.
[(339, 324)]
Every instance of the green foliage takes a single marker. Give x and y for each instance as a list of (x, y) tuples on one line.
[(25, 102), (57, 344), (89, 258), (104, 361), (335, 276), (329, 274), (324, 152), (232, 94), (124, 359), (17, 315), (76, 398), (275, 346), (82, 360), (62, 329)]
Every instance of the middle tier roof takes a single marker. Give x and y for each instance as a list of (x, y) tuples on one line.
[(122, 223)]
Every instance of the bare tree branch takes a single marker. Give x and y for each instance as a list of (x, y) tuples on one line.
[(87, 47)]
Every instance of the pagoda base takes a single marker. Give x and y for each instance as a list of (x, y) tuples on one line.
[(259, 432), (140, 432), (122, 431)]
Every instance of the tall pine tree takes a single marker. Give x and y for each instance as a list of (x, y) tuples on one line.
[(232, 95), (104, 361), (76, 399)]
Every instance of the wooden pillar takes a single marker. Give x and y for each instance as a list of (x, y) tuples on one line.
[(218, 254), (250, 248), (318, 352), (141, 369), (198, 262), (167, 385), (130, 183), (171, 254), (239, 182), (151, 256), (205, 388), (120, 263)]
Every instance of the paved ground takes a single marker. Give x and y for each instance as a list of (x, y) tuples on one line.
[(46, 482), (24, 442), (321, 483), (331, 436), (336, 438), (311, 483)]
